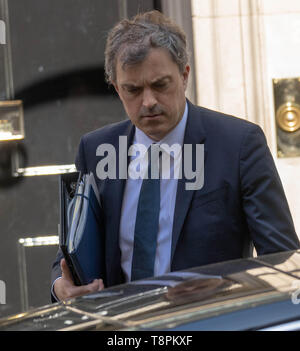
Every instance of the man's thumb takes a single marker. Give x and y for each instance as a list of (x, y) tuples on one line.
[(65, 270)]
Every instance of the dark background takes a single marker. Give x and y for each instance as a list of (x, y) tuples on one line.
[(57, 59)]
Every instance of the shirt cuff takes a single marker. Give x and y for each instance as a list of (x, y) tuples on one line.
[(52, 290)]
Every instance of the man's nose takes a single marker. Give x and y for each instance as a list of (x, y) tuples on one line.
[(149, 99)]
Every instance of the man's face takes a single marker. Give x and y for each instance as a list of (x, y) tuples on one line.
[(153, 93)]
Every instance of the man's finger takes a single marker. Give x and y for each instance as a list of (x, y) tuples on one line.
[(66, 274), (101, 284), (85, 289)]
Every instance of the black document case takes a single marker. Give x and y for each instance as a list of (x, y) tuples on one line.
[(81, 227)]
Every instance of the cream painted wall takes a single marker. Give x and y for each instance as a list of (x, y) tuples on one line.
[(240, 46)]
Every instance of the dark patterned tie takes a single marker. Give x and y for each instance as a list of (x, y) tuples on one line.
[(147, 219)]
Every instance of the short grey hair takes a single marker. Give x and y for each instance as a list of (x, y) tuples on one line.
[(131, 40)]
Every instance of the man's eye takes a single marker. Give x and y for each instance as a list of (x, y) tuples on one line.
[(160, 85), (133, 90)]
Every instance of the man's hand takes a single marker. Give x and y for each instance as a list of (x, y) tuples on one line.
[(64, 288)]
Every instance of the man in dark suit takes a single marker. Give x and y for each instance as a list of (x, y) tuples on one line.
[(241, 200)]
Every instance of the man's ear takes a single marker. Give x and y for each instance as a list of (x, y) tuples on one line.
[(185, 75), (116, 87)]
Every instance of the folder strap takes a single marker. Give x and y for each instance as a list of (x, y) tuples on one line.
[(84, 196)]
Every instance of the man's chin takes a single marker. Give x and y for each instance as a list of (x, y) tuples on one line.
[(155, 134), (154, 128)]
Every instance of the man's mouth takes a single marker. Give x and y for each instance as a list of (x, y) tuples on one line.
[(152, 116)]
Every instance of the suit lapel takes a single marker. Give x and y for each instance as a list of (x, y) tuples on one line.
[(113, 190), (194, 134)]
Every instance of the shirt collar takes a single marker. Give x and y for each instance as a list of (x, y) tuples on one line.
[(176, 135)]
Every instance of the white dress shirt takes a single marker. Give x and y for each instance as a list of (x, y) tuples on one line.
[(168, 189)]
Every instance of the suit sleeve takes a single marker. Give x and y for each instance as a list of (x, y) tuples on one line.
[(56, 273), (265, 205), (80, 157)]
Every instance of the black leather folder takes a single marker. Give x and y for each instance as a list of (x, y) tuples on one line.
[(81, 228)]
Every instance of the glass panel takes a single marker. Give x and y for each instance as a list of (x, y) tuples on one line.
[(11, 120)]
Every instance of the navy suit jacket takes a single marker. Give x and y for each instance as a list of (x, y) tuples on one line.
[(242, 200)]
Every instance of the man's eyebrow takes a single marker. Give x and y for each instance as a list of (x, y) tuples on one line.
[(161, 79), (129, 85), (156, 81)]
